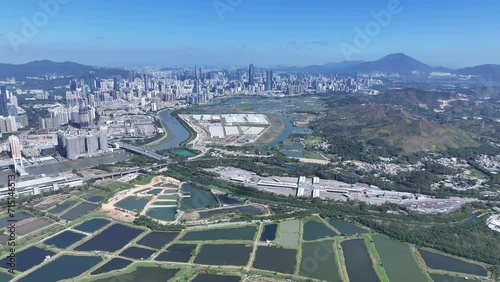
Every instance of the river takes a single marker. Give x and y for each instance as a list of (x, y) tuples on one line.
[(178, 134)]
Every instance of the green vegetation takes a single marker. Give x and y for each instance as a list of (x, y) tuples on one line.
[(470, 240), (360, 130), (155, 226)]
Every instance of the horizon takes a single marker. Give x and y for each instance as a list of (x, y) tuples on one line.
[(235, 66), (236, 33)]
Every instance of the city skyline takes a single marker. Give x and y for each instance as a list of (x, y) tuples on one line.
[(224, 32)]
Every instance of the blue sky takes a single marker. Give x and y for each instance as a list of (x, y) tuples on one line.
[(237, 32)]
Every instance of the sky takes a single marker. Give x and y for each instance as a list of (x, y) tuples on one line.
[(451, 33)]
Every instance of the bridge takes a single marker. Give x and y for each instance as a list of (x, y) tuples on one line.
[(120, 173), (142, 151)]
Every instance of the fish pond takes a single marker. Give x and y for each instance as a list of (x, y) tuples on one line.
[(62, 207), (63, 267), (269, 232), (157, 240), (79, 211), (223, 254), (154, 191), (114, 264), (346, 228), (228, 200), (143, 274), (398, 260), (318, 261), (358, 263), (162, 213), (4, 221), (446, 278), (275, 259), (131, 203), (94, 198), (177, 253), (199, 198), (441, 262), (137, 253), (111, 239), (168, 197), (183, 152), (314, 230), (5, 277), (289, 233), (238, 233), (64, 239), (28, 258), (92, 225)]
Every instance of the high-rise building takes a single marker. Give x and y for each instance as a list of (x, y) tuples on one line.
[(84, 116), (251, 74), (116, 83), (269, 80), (8, 124), (92, 81), (4, 111), (15, 151), (73, 85), (131, 76), (146, 83), (196, 88), (103, 140), (92, 143)]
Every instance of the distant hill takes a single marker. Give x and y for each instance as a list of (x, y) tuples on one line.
[(416, 97), (393, 126), (488, 73), (394, 63), (38, 68), (398, 63)]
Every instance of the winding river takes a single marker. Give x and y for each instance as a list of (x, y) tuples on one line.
[(178, 134)]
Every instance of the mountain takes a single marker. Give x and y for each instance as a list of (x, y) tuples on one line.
[(416, 97), (39, 68), (386, 124), (488, 73), (395, 63)]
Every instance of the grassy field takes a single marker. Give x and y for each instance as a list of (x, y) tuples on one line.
[(117, 186)]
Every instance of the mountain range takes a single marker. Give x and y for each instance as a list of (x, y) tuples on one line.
[(402, 64), (40, 68), (393, 63)]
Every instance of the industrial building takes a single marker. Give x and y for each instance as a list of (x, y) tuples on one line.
[(41, 184)]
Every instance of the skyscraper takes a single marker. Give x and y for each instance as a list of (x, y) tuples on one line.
[(196, 88), (131, 76), (269, 80), (250, 74), (116, 84), (92, 81), (4, 111), (146, 83)]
